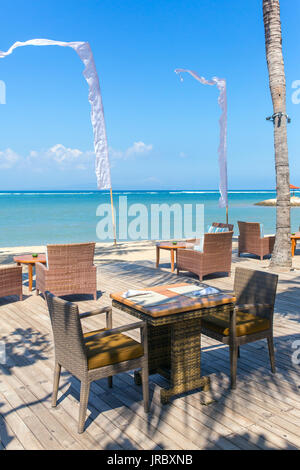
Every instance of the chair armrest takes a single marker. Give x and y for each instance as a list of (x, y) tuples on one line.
[(41, 272), (41, 266), (194, 252), (97, 311), (251, 306), (120, 329), (262, 310)]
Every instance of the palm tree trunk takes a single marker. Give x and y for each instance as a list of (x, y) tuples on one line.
[(281, 257)]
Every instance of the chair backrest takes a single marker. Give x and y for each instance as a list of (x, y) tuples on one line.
[(249, 230), (255, 287), (70, 351), (218, 244), (79, 255), (221, 225)]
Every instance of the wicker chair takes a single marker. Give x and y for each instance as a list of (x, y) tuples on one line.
[(70, 270), (216, 256), (11, 281), (94, 355), (250, 320), (250, 240)]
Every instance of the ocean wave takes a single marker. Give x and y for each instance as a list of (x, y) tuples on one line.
[(193, 192), (46, 194)]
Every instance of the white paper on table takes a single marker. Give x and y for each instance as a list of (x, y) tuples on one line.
[(133, 293), (150, 299), (193, 291)]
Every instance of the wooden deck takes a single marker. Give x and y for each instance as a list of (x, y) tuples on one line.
[(262, 413)]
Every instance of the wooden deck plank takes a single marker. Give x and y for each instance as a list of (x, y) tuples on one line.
[(262, 413)]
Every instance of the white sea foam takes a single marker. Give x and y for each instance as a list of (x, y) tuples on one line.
[(45, 194)]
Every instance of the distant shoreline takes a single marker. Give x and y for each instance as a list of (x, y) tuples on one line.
[(66, 191)]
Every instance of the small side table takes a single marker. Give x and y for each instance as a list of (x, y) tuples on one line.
[(30, 261), (294, 239), (170, 247)]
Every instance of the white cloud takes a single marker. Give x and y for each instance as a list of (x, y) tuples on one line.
[(8, 159), (138, 148), (152, 179), (62, 158), (62, 154)]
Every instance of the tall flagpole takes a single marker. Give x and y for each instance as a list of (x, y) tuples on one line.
[(113, 215)]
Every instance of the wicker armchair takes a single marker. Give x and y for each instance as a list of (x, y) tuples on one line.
[(250, 240), (216, 256), (94, 355), (11, 281), (250, 320), (70, 270)]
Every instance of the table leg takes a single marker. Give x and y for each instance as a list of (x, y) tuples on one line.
[(159, 351), (30, 276), (157, 256), (293, 246), (185, 360), (172, 260)]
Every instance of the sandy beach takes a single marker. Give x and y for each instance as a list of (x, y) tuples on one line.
[(141, 252)]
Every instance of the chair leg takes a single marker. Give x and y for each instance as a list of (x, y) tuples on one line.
[(95, 295), (110, 381), (145, 381), (37, 292), (57, 371), (84, 398), (233, 364), (272, 354)]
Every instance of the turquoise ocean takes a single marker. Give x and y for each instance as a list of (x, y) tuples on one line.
[(42, 217)]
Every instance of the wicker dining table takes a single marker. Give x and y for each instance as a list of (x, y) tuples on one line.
[(173, 316)]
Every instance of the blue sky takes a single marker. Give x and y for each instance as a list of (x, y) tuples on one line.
[(163, 134)]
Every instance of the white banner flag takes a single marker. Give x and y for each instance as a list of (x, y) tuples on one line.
[(97, 116), (221, 84)]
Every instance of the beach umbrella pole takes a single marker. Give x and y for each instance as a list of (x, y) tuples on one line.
[(113, 216)]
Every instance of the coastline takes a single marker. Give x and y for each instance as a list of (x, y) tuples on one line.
[(104, 252), (133, 251)]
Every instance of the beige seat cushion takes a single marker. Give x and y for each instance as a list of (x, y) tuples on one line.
[(110, 349), (246, 323)]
